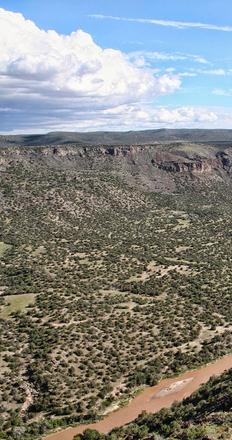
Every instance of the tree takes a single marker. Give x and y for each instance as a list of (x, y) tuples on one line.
[(89, 434)]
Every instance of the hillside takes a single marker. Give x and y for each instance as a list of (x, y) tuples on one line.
[(115, 271), (120, 138)]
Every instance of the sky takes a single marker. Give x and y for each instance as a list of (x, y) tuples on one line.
[(88, 65)]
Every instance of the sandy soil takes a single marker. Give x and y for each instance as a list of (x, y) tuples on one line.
[(152, 399)]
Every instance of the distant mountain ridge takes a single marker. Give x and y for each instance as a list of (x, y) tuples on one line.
[(119, 138)]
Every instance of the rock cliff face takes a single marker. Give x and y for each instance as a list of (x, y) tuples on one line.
[(197, 166), (159, 167)]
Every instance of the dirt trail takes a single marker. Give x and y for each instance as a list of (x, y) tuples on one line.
[(29, 399), (152, 399)]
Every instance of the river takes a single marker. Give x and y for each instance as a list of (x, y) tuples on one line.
[(151, 399)]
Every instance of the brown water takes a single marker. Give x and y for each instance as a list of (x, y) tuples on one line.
[(152, 399)]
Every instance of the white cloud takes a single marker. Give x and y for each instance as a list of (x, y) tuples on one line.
[(50, 81), (41, 72), (148, 56), (178, 115), (222, 92), (217, 72), (187, 74), (141, 116), (211, 72), (166, 23)]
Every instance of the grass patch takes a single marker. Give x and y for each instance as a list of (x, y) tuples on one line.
[(3, 248), (16, 303)]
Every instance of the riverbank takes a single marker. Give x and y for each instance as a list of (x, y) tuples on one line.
[(152, 399)]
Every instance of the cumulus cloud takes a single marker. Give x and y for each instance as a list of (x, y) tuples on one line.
[(50, 81), (185, 116), (47, 76)]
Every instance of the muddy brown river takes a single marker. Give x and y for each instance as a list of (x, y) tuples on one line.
[(151, 399)]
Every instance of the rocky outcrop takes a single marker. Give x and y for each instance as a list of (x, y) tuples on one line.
[(194, 167), (225, 160)]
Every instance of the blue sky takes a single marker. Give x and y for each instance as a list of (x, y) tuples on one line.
[(179, 51)]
